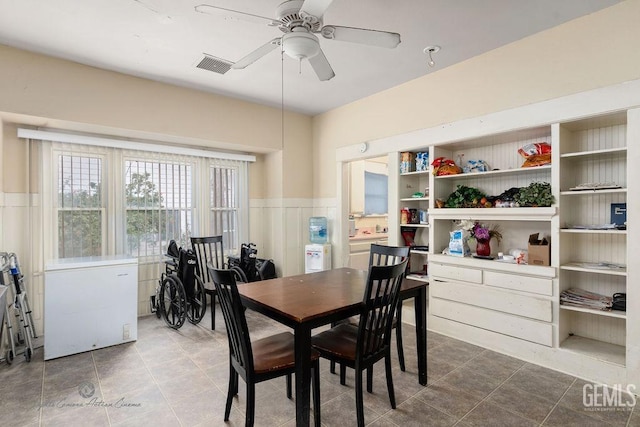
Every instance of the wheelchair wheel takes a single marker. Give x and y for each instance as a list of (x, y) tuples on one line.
[(173, 302), (197, 306)]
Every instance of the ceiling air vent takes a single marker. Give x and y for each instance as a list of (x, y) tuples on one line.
[(217, 65)]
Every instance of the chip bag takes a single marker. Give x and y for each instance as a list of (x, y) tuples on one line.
[(535, 154)]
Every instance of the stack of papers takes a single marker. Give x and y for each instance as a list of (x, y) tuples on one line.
[(580, 298), (594, 227), (595, 186)]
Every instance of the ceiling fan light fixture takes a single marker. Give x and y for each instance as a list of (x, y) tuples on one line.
[(300, 45), (429, 50)]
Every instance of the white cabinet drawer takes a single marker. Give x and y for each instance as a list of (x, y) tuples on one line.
[(522, 283), (503, 323), (360, 247), (455, 273), (494, 299)]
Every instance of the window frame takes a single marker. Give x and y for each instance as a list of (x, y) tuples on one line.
[(114, 204)]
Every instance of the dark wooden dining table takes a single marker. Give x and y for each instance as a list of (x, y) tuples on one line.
[(307, 301)]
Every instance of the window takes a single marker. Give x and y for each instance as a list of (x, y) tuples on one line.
[(158, 206), (376, 194), (110, 200), (80, 207), (224, 204)]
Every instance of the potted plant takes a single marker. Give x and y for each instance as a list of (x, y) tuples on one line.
[(483, 235), (536, 194)]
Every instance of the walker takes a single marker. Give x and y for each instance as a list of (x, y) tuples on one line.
[(26, 332)]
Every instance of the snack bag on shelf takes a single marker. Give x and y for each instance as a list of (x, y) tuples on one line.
[(422, 161), (475, 166), (535, 154), (443, 166), (458, 243)]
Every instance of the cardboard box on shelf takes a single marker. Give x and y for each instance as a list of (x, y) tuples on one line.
[(539, 250)]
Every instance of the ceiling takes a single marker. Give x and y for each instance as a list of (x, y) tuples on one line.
[(164, 40)]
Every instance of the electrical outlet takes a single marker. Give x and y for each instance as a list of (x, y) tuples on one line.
[(125, 331)]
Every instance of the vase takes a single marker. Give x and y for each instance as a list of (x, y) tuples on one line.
[(483, 247)]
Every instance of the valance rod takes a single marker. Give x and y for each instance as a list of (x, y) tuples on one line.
[(128, 145)]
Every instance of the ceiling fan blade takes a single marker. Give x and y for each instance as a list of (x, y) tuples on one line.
[(360, 35), (314, 8), (235, 14), (321, 66), (256, 54)]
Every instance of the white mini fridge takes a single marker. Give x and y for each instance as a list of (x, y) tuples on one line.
[(317, 257), (89, 303)]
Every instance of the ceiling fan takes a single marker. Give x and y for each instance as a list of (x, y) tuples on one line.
[(299, 20)]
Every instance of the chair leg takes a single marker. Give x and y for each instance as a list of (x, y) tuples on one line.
[(233, 386), (370, 379), (288, 386), (316, 392), (332, 367), (343, 374), (392, 394), (359, 399), (251, 404), (213, 312), (399, 337)]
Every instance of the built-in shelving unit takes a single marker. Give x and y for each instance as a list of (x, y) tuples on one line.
[(592, 152), (411, 183), (515, 308)]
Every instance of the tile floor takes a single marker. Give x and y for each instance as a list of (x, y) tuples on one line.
[(179, 378)]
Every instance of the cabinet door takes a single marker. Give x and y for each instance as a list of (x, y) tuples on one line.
[(359, 260)]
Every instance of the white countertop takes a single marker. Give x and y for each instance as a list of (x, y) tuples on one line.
[(371, 236)]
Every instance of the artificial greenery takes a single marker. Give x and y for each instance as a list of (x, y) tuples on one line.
[(464, 197), (537, 194)]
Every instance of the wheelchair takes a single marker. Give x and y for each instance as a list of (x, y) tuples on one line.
[(179, 296)]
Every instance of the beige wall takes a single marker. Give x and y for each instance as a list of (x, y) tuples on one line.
[(43, 91), (597, 50)]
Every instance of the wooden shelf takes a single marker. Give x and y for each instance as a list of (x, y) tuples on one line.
[(593, 192), (613, 313), (601, 154), (578, 266), (415, 225), (601, 350), (585, 231), (418, 252), (418, 277), (414, 199), (494, 173), (496, 214), (415, 173)]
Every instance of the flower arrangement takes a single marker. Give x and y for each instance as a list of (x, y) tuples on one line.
[(481, 232)]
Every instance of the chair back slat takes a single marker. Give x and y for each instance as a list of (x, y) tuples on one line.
[(208, 250), (234, 318), (378, 307), (387, 255)]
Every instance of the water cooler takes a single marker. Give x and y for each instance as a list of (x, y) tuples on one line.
[(317, 254)]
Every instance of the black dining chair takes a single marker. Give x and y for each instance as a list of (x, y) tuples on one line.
[(389, 255), (208, 250), (360, 347), (260, 360), (385, 255)]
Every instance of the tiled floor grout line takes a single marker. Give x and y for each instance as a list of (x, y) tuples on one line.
[(559, 400), (95, 369), (493, 391), (155, 382), (44, 367)]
